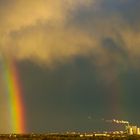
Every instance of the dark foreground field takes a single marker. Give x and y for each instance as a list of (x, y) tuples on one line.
[(64, 137)]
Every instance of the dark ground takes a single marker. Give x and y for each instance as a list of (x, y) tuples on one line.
[(63, 137)]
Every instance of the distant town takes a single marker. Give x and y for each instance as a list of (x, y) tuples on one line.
[(131, 132)]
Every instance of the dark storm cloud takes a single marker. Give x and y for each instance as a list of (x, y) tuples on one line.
[(104, 34), (117, 21), (127, 9), (51, 32), (63, 97)]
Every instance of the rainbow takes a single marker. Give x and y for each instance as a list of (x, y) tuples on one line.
[(15, 100), (114, 91)]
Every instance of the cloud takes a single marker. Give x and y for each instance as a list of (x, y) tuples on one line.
[(18, 14), (38, 30), (50, 32)]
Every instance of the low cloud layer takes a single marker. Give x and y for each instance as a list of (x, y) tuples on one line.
[(50, 32)]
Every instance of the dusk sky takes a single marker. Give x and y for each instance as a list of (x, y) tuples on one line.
[(78, 62)]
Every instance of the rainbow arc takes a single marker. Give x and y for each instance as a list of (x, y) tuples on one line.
[(14, 91)]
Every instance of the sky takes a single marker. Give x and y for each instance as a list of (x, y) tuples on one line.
[(78, 62)]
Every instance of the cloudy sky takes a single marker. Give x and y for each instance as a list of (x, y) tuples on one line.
[(78, 60)]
